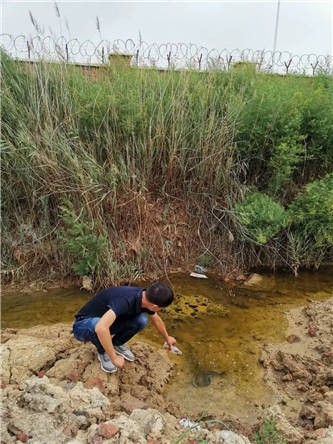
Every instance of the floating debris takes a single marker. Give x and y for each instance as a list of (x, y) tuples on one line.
[(185, 422), (199, 269), (198, 275)]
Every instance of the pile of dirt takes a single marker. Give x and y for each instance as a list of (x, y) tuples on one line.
[(54, 392), (301, 374)]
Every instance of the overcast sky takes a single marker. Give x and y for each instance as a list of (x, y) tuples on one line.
[(304, 26)]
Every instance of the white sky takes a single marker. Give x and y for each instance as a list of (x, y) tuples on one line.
[(304, 26)]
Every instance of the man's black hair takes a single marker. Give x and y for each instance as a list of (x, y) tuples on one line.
[(160, 294)]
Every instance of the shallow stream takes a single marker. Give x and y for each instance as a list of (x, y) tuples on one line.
[(223, 349)]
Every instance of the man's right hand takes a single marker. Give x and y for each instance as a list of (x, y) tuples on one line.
[(119, 361)]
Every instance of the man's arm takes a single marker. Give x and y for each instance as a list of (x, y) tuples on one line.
[(102, 329), (160, 327)]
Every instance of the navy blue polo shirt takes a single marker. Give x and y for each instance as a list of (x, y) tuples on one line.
[(124, 301)]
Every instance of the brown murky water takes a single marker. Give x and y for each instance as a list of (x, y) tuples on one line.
[(229, 347)]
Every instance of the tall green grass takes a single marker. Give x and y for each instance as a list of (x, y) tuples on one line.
[(129, 150)]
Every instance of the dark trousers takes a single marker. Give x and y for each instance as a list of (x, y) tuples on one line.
[(121, 329)]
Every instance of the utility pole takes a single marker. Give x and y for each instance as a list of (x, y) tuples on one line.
[(276, 25)]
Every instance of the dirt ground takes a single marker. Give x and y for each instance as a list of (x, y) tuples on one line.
[(301, 372), (46, 372)]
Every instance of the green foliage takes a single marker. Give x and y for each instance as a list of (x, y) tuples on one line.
[(285, 128), (260, 216), (311, 214), (186, 134), (268, 433), (206, 261), (80, 241), (282, 164)]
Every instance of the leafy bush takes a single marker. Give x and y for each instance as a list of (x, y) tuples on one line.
[(311, 214), (260, 216), (80, 242), (282, 164)]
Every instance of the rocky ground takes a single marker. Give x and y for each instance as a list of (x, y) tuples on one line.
[(55, 392), (301, 373)]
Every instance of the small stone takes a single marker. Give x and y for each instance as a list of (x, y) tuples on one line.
[(315, 397), (226, 279), (73, 376), (287, 377), (263, 362), (108, 430), (302, 387), (87, 283), (3, 385), (241, 277), (324, 389), (293, 338), (308, 426), (96, 440), (41, 374), (320, 432), (22, 437), (312, 331), (67, 431), (328, 396)]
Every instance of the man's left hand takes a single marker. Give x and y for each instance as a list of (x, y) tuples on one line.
[(171, 341)]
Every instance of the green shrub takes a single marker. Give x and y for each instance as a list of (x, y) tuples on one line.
[(79, 240), (268, 433), (260, 217), (195, 136), (311, 214), (282, 164)]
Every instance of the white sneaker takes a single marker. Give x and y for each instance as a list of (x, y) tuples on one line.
[(125, 352), (106, 363)]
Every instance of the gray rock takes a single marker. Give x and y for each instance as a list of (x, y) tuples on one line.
[(152, 421), (229, 437)]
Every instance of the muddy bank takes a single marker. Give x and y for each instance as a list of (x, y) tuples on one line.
[(301, 373), (55, 392)]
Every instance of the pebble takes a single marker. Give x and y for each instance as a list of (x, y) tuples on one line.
[(312, 331), (22, 437), (287, 377), (73, 376), (293, 338), (324, 389), (108, 430), (320, 432)]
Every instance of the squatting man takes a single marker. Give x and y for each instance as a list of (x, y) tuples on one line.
[(115, 315)]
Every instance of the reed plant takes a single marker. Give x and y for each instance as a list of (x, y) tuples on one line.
[(155, 161)]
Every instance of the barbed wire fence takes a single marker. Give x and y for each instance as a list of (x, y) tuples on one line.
[(163, 56)]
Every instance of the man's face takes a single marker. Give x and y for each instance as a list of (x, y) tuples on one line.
[(154, 307)]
